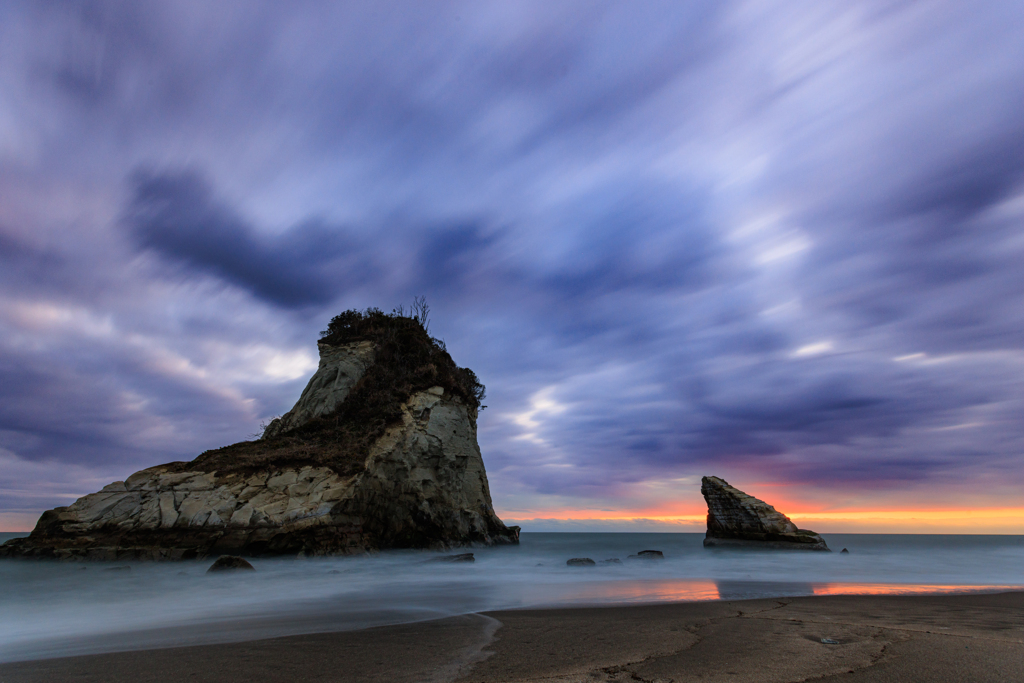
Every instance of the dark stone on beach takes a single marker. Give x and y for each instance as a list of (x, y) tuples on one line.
[(124, 568), (226, 563), (844, 550), (463, 557), (580, 562), (738, 520), (612, 560)]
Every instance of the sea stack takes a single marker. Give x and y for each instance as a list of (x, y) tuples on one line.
[(380, 451), (737, 520)]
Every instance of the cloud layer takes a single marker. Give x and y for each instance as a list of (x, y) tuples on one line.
[(778, 242)]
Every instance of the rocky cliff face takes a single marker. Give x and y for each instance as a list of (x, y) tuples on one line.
[(340, 368), (421, 485), (736, 519)]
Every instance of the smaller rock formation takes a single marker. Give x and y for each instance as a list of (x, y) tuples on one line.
[(228, 563), (844, 551), (647, 555), (580, 562), (738, 520), (612, 560)]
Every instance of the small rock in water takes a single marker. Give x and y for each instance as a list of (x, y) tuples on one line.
[(334, 571), (647, 555), (580, 562), (844, 550), (123, 568), (182, 573), (829, 641), (464, 557), (230, 562), (612, 560)]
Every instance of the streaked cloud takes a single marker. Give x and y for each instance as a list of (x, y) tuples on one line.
[(754, 239)]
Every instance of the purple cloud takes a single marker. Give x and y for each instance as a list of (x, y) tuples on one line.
[(770, 240)]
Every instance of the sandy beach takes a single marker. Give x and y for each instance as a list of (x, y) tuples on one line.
[(947, 638)]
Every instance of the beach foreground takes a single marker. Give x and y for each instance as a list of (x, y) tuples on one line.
[(948, 638)]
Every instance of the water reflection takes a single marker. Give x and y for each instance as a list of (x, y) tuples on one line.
[(748, 590), (698, 590), (629, 592), (904, 589)]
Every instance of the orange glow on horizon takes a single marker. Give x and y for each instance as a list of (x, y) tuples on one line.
[(1006, 520), (1009, 520)]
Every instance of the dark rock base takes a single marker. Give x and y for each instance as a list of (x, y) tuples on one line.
[(190, 544)]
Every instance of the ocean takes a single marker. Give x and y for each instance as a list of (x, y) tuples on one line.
[(57, 609)]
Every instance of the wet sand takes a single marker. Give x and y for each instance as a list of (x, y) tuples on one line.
[(948, 639)]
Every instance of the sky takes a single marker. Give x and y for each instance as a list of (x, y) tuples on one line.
[(775, 242)]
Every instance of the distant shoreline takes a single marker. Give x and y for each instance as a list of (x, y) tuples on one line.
[(973, 637)]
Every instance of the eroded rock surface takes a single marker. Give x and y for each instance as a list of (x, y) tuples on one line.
[(422, 485), (340, 368), (736, 519)]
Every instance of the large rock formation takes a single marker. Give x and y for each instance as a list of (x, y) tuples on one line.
[(737, 520), (379, 452)]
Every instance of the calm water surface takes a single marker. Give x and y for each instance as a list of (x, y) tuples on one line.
[(53, 609)]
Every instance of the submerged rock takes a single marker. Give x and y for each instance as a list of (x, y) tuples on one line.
[(844, 551), (738, 520), (227, 563), (612, 560), (581, 562), (380, 451), (463, 557), (647, 555)]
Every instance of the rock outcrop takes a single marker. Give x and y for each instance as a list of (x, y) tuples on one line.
[(230, 563), (366, 460), (738, 520), (340, 368)]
